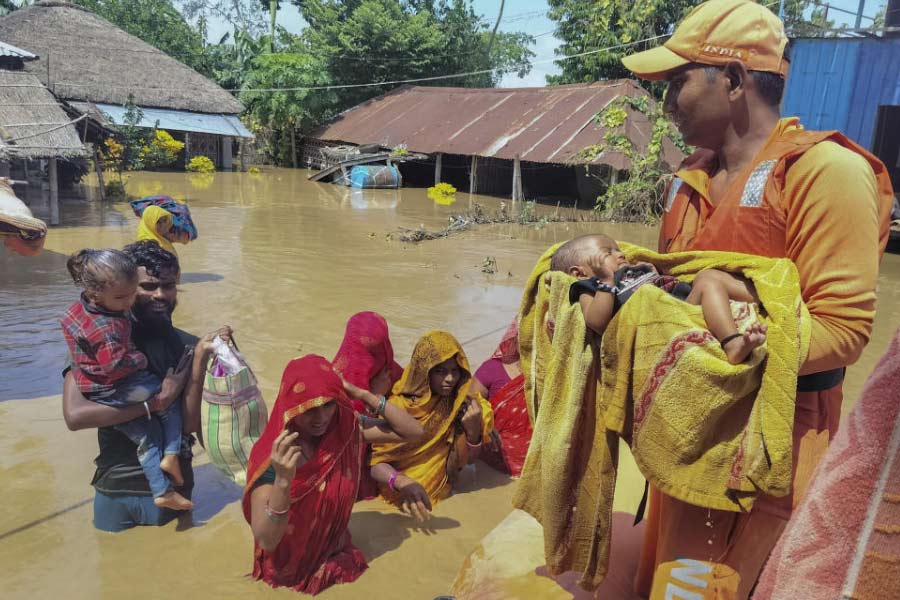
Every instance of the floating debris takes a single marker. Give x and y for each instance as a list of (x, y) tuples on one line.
[(477, 215)]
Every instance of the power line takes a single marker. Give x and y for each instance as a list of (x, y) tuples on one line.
[(394, 82)]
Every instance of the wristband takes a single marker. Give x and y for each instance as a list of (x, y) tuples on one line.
[(392, 479), (381, 406), (147, 408)]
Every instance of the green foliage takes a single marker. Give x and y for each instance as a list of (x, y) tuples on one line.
[(585, 25), (134, 148), (161, 151), (115, 190), (244, 15), (125, 151), (612, 116), (365, 41), (158, 23), (281, 113), (201, 164), (7, 6), (637, 196)]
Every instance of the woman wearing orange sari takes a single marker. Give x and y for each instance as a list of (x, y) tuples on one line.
[(436, 390), (366, 359), (304, 473), (500, 380)]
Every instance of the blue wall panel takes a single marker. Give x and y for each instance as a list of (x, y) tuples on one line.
[(840, 83)]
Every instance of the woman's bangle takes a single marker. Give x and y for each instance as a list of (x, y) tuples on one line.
[(382, 404), (473, 446), (276, 515), (147, 408), (392, 479)]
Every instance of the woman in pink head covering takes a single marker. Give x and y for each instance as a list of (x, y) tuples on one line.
[(366, 359), (500, 380)]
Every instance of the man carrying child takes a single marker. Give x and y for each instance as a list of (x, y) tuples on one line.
[(123, 498), (761, 184)]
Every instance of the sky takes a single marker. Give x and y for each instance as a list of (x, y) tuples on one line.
[(530, 17)]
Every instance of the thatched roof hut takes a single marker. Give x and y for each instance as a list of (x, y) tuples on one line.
[(84, 57), (32, 124)]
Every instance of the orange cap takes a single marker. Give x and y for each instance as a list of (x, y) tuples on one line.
[(716, 33)]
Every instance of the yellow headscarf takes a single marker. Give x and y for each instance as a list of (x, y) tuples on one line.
[(148, 229), (426, 460)]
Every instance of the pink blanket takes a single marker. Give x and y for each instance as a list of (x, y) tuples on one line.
[(843, 541)]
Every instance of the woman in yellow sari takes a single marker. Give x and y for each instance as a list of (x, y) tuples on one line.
[(435, 389), (157, 225)]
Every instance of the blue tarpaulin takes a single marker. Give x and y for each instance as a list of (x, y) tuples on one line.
[(175, 120)]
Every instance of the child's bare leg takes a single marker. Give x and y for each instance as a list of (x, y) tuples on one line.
[(173, 500), (169, 464), (712, 289)]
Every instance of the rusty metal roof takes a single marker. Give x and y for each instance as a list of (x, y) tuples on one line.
[(546, 124)]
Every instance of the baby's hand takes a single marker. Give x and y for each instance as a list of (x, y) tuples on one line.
[(646, 264)]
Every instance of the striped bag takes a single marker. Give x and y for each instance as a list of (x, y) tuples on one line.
[(233, 416)]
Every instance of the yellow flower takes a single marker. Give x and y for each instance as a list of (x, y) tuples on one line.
[(201, 164), (443, 194)]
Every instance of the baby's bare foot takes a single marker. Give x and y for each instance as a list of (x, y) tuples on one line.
[(169, 464), (173, 500), (738, 349)]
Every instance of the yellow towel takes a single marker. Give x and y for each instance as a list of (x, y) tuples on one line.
[(710, 433), (571, 462), (703, 430)]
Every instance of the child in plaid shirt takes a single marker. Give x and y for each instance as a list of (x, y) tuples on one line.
[(109, 369)]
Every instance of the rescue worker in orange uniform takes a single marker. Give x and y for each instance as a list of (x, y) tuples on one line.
[(760, 184)]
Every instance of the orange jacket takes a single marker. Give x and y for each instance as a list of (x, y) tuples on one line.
[(812, 196)]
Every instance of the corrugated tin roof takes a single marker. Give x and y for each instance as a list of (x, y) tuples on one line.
[(12, 51), (171, 120), (838, 83), (547, 124)]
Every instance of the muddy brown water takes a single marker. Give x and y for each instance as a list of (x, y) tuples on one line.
[(284, 262)]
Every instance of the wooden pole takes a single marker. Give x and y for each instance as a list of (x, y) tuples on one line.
[(473, 175), (517, 179), (99, 169), (187, 148), (54, 192), (437, 168), (294, 147)]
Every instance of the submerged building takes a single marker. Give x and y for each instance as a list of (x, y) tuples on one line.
[(93, 66), (33, 129), (513, 142)]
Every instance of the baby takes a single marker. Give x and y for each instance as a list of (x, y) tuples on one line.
[(607, 280), (109, 369)]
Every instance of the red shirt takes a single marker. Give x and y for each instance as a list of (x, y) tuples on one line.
[(101, 347)]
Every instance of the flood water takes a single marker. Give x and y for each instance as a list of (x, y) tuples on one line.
[(285, 262)]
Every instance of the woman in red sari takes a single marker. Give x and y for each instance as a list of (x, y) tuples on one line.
[(366, 359), (500, 380), (304, 473)]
